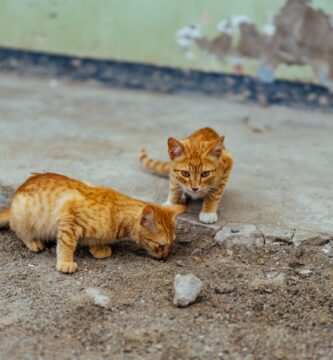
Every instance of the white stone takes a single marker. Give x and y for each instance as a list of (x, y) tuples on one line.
[(327, 249), (97, 297), (305, 273), (187, 289)]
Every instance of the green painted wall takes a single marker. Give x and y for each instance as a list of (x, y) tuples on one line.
[(132, 30)]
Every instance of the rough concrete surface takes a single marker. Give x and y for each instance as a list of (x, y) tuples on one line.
[(269, 300)]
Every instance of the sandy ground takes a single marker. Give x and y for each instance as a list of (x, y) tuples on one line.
[(271, 301)]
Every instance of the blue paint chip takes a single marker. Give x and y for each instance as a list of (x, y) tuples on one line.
[(2, 198)]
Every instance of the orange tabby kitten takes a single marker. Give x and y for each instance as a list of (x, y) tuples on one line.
[(51, 206), (199, 168)]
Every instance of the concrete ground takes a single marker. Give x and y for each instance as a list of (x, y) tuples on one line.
[(271, 301), (283, 158)]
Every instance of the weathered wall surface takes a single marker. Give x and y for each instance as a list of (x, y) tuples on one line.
[(298, 35), (142, 31)]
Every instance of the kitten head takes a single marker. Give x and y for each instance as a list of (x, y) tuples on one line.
[(194, 164), (157, 228)]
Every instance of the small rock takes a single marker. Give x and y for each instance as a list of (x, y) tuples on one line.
[(327, 250), (196, 252), (304, 273), (303, 238), (187, 289), (235, 231), (184, 240), (295, 262), (323, 100), (276, 234), (53, 83), (224, 289), (274, 277), (311, 97), (180, 263), (248, 235), (97, 297)]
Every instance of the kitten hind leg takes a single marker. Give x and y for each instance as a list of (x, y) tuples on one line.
[(30, 243), (100, 252), (35, 245)]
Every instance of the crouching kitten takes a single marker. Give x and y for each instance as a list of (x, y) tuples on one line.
[(52, 206)]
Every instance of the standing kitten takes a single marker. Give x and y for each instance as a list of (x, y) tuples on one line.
[(51, 206), (199, 168)]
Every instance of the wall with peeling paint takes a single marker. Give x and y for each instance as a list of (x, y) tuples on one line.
[(135, 30)]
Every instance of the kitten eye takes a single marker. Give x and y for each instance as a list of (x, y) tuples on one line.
[(205, 174), (185, 173)]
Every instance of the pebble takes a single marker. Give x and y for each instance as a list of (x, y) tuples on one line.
[(323, 100), (196, 252), (180, 263), (247, 235), (224, 290), (187, 289), (304, 273), (53, 83), (97, 297), (184, 240), (327, 250)]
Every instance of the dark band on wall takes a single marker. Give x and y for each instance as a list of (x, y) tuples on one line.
[(163, 79)]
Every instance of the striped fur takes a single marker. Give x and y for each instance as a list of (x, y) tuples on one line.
[(199, 167), (51, 206), (161, 168)]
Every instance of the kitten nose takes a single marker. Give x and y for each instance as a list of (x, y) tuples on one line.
[(195, 188)]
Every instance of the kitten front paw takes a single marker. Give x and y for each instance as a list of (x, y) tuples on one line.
[(100, 252), (66, 266), (208, 218), (167, 203)]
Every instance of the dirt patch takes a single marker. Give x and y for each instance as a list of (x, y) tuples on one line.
[(275, 302)]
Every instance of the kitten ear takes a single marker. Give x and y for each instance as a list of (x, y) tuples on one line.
[(147, 219), (175, 148), (177, 210), (217, 147)]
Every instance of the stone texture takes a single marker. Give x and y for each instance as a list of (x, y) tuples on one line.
[(187, 289), (306, 238), (276, 234), (248, 235), (97, 297)]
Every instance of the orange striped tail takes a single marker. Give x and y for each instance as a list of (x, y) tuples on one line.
[(157, 167), (4, 218)]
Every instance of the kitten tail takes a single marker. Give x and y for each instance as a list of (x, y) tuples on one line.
[(4, 218), (158, 167)]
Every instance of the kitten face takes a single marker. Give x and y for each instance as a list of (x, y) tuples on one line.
[(194, 165), (157, 229)]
